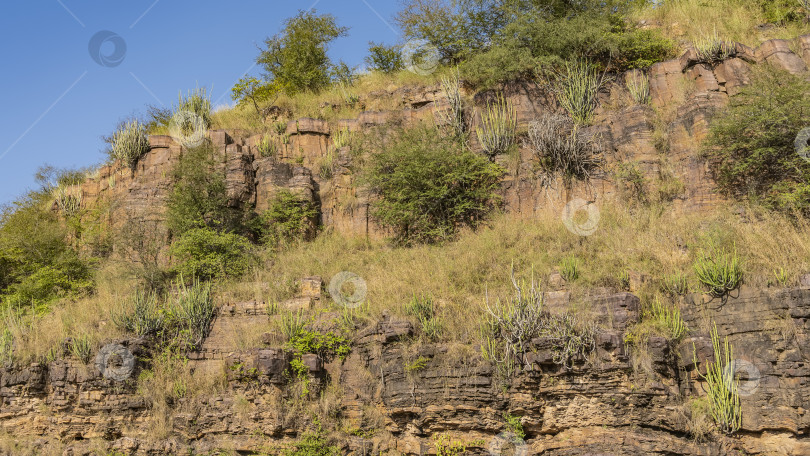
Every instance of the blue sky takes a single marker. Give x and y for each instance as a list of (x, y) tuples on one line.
[(57, 101)]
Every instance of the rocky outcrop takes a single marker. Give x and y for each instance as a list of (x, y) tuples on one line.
[(621, 400)]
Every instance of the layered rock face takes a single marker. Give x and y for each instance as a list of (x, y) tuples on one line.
[(662, 138), (621, 400)]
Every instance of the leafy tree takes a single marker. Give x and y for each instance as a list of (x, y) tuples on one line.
[(751, 143), (540, 38), (207, 254), (386, 59), (254, 91), (296, 59), (429, 186)]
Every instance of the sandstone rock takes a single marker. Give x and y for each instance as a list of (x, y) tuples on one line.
[(311, 287), (302, 303)]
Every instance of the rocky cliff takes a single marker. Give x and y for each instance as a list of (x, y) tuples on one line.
[(396, 396), (619, 401)]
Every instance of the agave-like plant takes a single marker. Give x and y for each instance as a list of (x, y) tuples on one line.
[(498, 130), (129, 143)]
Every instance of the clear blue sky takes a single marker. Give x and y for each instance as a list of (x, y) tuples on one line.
[(57, 101)]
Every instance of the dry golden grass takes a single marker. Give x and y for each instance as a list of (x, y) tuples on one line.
[(687, 21), (37, 337), (647, 240), (331, 104)]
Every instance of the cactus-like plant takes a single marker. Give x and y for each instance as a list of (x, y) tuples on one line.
[(720, 273), (68, 202), (722, 387), (668, 317), (456, 118), (639, 87), (498, 129), (129, 143), (712, 49), (577, 90)]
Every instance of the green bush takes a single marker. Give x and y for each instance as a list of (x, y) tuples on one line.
[(428, 186), (385, 59), (289, 218), (37, 263), (208, 254), (199, 197), (751, 143), (542, 37), (296, 59), (425, 311)]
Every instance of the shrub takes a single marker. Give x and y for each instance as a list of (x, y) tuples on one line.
[(577, 89), (562, 147), (129, 143), (428, 186), (289, 218), (197, 102), (722, 387), (37, 263), (498, 127), (209, 254), (543, 38), (193, 309), (720, 271), (313, 443), (386, 59), (326, 345), (296, 59), (254, 91), (199, 197), (675, 284), (751, 147), (69, 202), (267, 147)]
